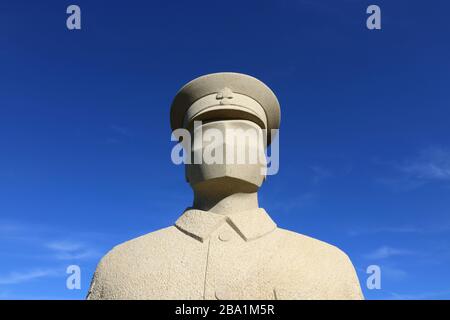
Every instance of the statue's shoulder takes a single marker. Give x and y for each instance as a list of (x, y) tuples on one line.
[(140, 248), (129, 261), (327, 267), (296, 242), (148, 241)]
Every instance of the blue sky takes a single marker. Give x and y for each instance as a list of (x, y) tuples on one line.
[(85, 136)]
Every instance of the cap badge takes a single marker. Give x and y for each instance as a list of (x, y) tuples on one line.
[(225, 95)]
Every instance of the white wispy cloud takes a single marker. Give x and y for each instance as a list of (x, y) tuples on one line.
[(405, 229), (430, 165), (64, 245), (419, 296), (47, 251), (19, 277), (388, 271), (51, 241), (16, 230), (72, 250), (400, 229), (393, 273), (385, 252), (294, 203)]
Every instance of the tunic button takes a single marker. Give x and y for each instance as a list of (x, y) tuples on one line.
[(225, 235)]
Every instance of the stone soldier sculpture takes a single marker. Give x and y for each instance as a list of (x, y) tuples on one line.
[(225, 246)]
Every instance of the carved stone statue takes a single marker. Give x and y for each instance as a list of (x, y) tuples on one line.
[(225, 246)]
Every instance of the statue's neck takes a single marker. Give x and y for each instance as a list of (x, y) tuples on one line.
[(223, 203)]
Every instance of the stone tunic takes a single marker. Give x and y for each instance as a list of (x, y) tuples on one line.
[(238, 256)]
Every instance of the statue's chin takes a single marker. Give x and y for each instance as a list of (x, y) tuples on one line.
[(239, 176), (225, 185)]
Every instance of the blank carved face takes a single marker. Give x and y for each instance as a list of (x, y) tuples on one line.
[(227, 151)]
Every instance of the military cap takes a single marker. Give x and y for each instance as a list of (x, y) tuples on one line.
[(222, 96)]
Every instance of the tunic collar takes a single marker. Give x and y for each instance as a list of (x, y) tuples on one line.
[(250, 225)]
